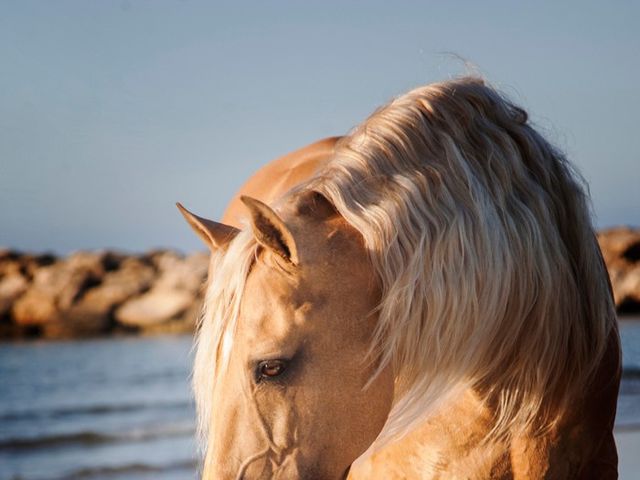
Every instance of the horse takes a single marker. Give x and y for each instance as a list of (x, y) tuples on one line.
[(421, 298)]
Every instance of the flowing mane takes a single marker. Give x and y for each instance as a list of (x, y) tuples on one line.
[(480, 233)]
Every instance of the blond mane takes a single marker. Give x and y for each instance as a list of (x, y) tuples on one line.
[(481, 236)]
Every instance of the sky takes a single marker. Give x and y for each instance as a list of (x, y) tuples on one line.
[(111, 111)]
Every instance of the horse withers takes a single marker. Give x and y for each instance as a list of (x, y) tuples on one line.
[(422, 298)]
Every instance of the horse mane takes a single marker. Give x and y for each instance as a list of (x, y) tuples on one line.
[(480, 233)]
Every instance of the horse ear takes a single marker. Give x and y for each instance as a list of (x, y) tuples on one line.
[(270, 231), (216, 235)]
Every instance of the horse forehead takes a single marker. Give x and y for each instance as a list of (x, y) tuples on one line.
[(334, 269), (274, 300)]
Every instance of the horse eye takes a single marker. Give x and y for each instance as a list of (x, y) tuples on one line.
[(271, 368)]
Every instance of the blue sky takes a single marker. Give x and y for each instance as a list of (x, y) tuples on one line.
[(112, 111)]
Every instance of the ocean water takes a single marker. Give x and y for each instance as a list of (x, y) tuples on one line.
[(100, 409), (121, 408)]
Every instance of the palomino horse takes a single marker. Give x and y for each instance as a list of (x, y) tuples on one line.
[(424, 298)]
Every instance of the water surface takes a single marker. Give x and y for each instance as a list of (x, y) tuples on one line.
[(101, 409), (121, 408)]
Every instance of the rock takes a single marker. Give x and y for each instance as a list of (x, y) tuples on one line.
[(11, 287), (154, 307), (78, 321), (92, 314), (187, 274), (628, 292), (621, 252), (162, 260), (132, 278), (172, 302), (34, 308), (31, 263), (92, 293), (184, 323), (55, 287), (616, 242), (10, 263), (67, 279)]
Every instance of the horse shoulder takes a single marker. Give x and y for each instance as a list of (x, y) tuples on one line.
[(280, 175), (583, 447), (447, 445)]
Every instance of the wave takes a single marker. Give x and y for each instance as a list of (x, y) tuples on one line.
[(91, 438), (133, 468), (126, 469), (100, 409), (175, 376), (631, 373)]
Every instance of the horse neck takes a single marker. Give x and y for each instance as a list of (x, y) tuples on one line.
[(453, 442)]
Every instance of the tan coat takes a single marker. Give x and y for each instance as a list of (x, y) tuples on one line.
[(449, 444)]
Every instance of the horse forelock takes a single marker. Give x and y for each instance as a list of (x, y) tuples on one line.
[(218, 321), (480, 233)]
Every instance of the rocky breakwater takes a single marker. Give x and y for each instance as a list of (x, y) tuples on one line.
[(98, 293)]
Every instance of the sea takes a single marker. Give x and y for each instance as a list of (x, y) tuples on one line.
[(121, 408)]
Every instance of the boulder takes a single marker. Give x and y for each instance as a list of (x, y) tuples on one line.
[(628, 292), (621, 252), (77, 321), (55, 287), (619, 244), (11, 287), (154, 307), (67, 279), (186, 274), (132, 278), (29, 263), (34, 308), (162, 259), (183, 323), (173, 302), (92, 314), (10, 262)]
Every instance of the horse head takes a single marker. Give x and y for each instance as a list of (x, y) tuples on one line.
[(297, 391)]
